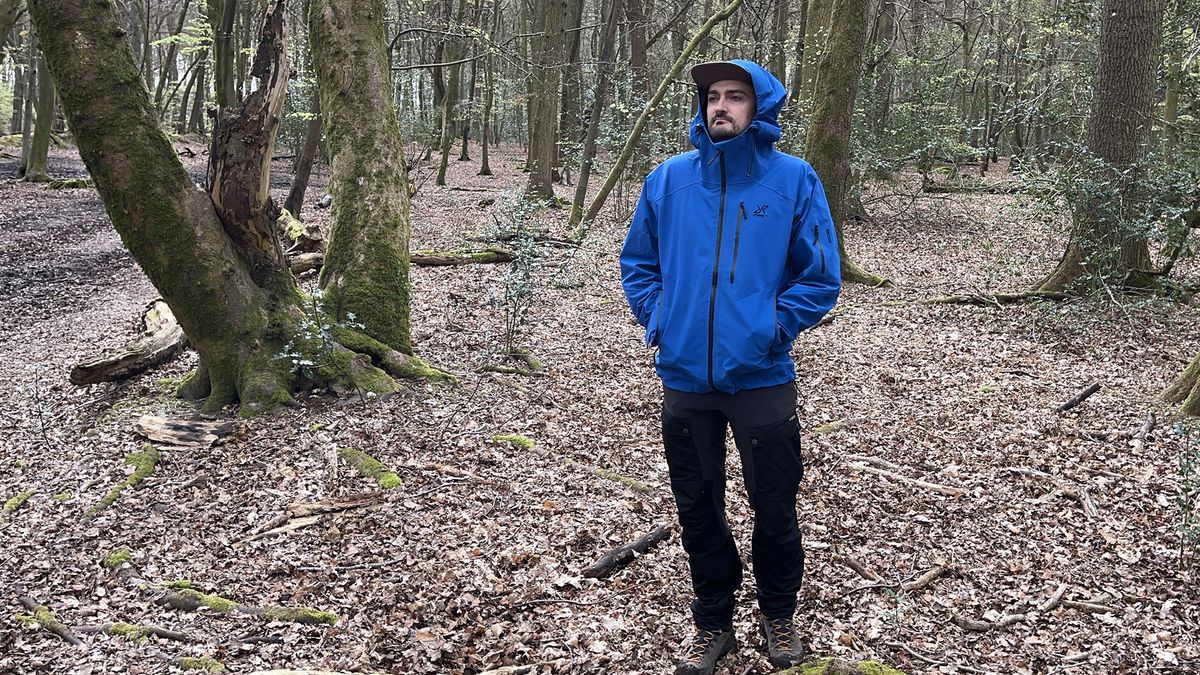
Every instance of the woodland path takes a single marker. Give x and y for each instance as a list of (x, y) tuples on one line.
[(473, 563)]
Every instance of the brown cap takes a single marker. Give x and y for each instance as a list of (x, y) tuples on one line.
[(707, 74)]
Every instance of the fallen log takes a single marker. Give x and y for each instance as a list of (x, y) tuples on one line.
[(304, 238), (136, 632), (303, 262), (187, 433), (188, 599), (622, 555), (995, 299), (161, 340), (1002, 188)]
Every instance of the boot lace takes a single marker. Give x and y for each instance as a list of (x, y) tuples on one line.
[(781, 630), (700, 645)]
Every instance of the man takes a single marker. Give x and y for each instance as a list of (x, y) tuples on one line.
[(731, 253)]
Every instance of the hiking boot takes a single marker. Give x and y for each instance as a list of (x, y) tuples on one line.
[(783, 647), (706, 649)]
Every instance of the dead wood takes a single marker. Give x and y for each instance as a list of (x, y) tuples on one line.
[(189, 600), (1080, 397), (301, 509), (859, 568), (1054, 600), (1001, 188), (511, 370), (305, 262), (978, 626), (71, 183), (932, 661), (432, 258), (932, 487), (622, 555), (186, 433), (304, 238), (925, 579), (48, 620), (161, 340), (994, 299), (1093, 607), (288, 526)]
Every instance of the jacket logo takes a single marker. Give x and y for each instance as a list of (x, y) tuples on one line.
[(761, 211)]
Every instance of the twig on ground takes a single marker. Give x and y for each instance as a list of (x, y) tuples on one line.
[(1080, 397), (932, 487), (932, 661), (1055, 600), (978, 626)]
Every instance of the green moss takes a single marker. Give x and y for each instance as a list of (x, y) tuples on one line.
[(47, 619), (143, 464), (315, 427), (129, 631), (21, 463), (840, 667), (178, 584), (214, 602), (987, 388), (876, 668), (829, 428), (304, 615), (628, 482), (518, 440), (62, 497), (14, 502), (371, 468), (204, 663), (116, 558)]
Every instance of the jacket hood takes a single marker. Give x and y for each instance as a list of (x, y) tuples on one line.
[(769, 95)]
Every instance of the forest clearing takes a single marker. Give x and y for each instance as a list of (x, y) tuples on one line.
[(291, 390), (474, 561)]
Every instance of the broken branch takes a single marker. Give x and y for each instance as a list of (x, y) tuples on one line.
[(622, 555)]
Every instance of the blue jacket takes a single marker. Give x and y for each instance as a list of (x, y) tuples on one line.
[(731, 253)]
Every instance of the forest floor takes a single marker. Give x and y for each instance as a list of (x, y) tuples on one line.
[(474, 562)]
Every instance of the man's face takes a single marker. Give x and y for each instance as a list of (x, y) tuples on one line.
[(730, 109)]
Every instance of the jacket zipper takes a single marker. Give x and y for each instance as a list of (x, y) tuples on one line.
[(737, 236), (820, 248), (712, 300)]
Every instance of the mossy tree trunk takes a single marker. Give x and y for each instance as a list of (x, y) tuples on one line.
[(827, 146), (1107, 247), (1186, 389), (36, 170), (220, 271), (366, 264)]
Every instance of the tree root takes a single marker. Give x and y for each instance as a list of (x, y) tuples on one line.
[(143, 463), (71, 183), (188, 599), (371, 468), (46, 618), (996, 299), (609, 474), (136, 633)]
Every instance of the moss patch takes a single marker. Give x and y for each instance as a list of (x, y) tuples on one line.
[(304, 615), (214, 602), (129, 631), (143, 464), (840, 667), (116, 558), (204, 663), (46, 618), (628, 482), (14, 502), (523, 442), (371, 468), (829, 428)]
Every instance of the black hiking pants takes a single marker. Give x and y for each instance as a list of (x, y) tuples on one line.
[(767, 435)]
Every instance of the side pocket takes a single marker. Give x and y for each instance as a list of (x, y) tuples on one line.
[(778, 466), (654, 325)]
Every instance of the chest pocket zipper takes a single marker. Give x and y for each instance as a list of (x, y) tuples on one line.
[(820, 248), (737, 237)]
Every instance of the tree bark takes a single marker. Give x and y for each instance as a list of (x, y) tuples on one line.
[(1106, 249), (1186, 389), (450, 98), (31, 57), (548, 52), (10, 11), (827, 147), (485, 168), (603, 81), (366, 266), (221, 15), (169, 61)]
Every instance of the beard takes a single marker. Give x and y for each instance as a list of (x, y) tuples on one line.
[(724, 132)]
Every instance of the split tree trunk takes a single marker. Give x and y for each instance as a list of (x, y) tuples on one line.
[(1106, 247)]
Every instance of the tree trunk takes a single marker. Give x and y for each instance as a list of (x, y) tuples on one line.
[(450, 98), (199, 95), (27, 107), (304, 161), (222, 278), (548, 53), (827, 147), (1186, 389), (365, 277), (570, 121), (488, 82), (603, 82), (1106, 247), (221, 14), (182, 120), (778, 64), (35, 169), (169, 61)]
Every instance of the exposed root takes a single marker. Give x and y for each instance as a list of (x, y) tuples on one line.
[(14, 502), (371, 468), (136, 633), (143, 463), (46, 619), (188, 599)]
